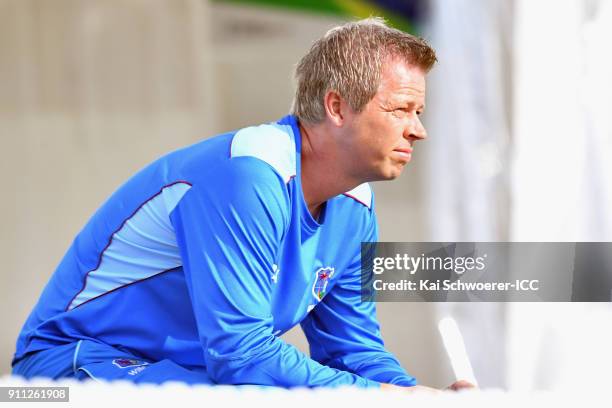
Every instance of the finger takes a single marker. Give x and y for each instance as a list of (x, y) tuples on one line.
[(460, 385)]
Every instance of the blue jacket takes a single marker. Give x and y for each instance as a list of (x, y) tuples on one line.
[(208, 255)]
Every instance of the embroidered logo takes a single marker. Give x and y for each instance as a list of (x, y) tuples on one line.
[(322, 277), (137, 370), (129, 362)]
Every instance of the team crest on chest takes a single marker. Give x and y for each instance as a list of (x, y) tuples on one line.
[(322, 277)]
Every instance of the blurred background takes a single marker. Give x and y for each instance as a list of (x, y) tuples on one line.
[(519, 115)]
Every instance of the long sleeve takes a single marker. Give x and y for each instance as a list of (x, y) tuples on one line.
[(343, 331), (229, 229)]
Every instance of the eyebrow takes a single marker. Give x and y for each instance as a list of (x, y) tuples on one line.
[(405, 102)]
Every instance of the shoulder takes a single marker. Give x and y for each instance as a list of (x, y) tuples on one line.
[(238, 190), (272, 144)]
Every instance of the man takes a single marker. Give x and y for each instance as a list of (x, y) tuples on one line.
[(194, 267)]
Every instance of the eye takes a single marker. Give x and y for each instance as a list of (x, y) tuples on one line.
[(419, 112)]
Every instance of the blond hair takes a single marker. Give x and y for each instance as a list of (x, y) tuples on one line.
[(348, 59)]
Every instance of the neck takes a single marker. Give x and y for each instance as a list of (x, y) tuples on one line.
[(323, 174)]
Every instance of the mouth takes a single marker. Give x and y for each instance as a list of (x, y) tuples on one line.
[(404, 153), (407, 150)]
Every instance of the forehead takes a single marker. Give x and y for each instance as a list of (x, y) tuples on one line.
[(400, 80)]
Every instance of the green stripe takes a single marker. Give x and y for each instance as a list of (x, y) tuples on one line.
[(316, 6), (326, 7)]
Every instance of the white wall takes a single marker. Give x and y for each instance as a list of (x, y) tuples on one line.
[(91, 92)]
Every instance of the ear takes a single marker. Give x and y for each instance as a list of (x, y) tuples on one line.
[(334, 107)]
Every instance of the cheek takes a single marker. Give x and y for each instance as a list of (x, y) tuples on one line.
[(389, 136), (376, 137), (381, 130)]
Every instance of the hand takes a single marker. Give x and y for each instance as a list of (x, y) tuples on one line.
[(461, 385), (415, 389)]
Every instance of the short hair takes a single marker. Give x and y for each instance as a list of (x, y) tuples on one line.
[(349, 59)]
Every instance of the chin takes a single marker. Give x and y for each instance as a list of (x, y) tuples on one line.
[(390, 174), (397, 170), (385, 172)]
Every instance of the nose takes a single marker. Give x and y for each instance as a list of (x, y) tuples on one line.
[(415, 130)]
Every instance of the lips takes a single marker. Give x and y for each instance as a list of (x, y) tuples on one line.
[(403, 154), (406, 150)]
